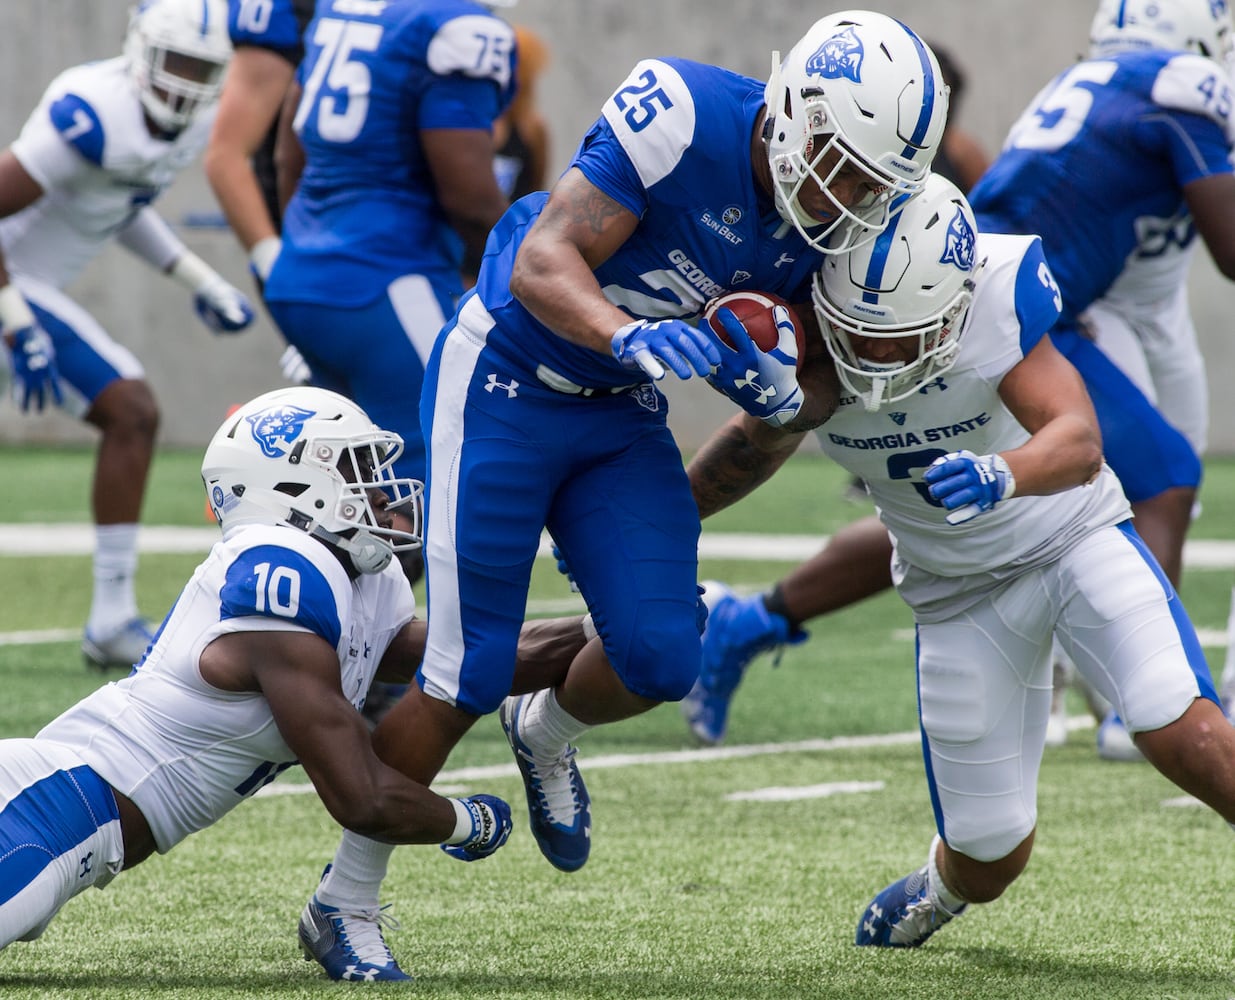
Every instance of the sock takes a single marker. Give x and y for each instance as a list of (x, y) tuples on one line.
[(940, 894), (115, 566), (546, 727), (355, 876)]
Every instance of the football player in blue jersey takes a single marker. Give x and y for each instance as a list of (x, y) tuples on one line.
[(1009, 531), (540, 403), (394, 109), (105, 140), (261, 664), (239, 161), (1118, 164)]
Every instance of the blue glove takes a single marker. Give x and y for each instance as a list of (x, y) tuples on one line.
[(222, 307), (763, 383), (34, 367), (968, 485), (645, 343), (491, 826)]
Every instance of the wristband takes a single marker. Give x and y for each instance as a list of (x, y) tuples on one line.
[(191, 271), (263, 255), (15, 312), (463, 823)]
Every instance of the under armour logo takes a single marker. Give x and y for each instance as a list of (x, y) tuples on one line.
[(873, 914), (84, 864), (356, 974), (510, 387), (935, 383), (784, 258), (367, 650), (748, 382)]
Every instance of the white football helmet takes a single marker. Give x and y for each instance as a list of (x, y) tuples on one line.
[(1201, 26), (309, 458), (177, 52), (865, 86), (915, 279)]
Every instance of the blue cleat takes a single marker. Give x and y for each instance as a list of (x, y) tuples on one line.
[(348, 944), (903, 915), (560, 812), (738, 630), (120, 650)]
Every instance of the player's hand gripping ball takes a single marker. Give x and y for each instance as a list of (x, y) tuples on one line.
[(757, 313)]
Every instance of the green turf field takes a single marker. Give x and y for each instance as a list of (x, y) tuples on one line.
[(696, 888)]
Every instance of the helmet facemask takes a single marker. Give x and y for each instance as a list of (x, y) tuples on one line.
[(859, 99), (177, 53), (916, 280)]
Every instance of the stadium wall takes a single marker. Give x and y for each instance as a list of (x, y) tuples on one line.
[(1007, 47)]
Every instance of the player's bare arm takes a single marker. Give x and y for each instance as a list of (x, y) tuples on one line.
[(1046, 394), (738, 457), (1211, 200), (298, 674), (546, 648), (257, 81), (288, 153), (461, 161), (579, 228)]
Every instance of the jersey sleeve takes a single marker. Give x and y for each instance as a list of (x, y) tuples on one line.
[(1036, 295), (273, 581), (1194, 99), (460, 102), (476, 46), (652, 116), (64, 137), (276, 25)]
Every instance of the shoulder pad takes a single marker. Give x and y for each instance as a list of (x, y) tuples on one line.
[(653, 116), (1194, 84), (473, 45), (79, 125)]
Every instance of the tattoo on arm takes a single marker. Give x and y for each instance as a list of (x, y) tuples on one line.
[(732, 464)]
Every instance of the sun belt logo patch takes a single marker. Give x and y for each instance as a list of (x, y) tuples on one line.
[(276, 428), (840, 57), (959, 243)]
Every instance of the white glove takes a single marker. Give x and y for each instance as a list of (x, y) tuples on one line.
[(262, 257), (294, 367), (221, 306)]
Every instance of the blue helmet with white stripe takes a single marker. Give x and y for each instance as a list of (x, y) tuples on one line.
[(913, 283), (860, 92)]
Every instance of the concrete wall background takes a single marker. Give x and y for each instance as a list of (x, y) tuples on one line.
[(1008, 49)]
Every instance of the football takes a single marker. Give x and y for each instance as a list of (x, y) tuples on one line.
[(754, 309)]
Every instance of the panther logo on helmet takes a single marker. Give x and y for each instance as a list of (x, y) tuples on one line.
[(839, 58), (959, 243), (276, 429)]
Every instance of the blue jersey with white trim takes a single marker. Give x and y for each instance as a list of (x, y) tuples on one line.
[(376, 74), (673, 146), (1097, 164), (186, 752)]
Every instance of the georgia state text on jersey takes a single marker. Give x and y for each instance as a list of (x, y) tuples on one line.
[(375, 74), (88, 146), (1015, 303), (672, 146), (258, 578), (1123, 136)]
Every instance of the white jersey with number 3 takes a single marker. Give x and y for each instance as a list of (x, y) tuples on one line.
[(892, 448)]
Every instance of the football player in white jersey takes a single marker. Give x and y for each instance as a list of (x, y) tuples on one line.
[(982, 452), (105, 140), (263, 662)]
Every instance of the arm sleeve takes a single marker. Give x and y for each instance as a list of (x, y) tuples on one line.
[(152, 239)]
